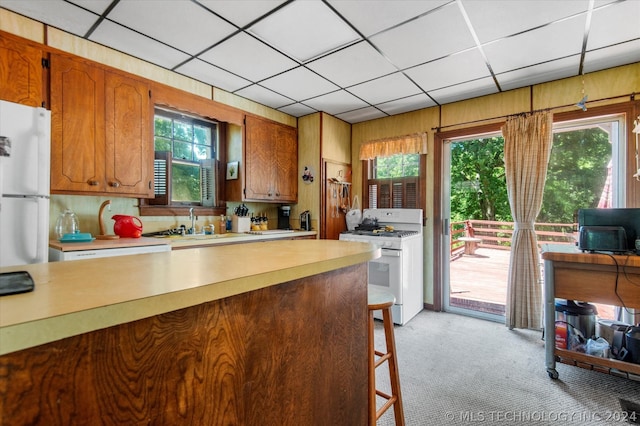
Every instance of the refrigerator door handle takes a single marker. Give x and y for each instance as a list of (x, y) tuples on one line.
[(42, 244)]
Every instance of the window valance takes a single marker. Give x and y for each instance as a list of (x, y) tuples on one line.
[(409, 144)]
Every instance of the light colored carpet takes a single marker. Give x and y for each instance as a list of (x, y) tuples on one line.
[(457, 370)]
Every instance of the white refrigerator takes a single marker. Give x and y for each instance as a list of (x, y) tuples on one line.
[(25, 146)]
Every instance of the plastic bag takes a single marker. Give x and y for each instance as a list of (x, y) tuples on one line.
[(598, 347), (354, 215)]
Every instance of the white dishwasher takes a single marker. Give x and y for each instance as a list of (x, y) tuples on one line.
[(77, 251)]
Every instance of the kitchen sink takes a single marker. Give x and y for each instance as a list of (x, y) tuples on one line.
[(197, 237)]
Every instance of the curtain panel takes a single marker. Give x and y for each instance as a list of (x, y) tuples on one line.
[(408, 144), (527, 148)]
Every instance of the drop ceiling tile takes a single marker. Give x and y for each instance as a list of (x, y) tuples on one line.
[(352, 65), (250, 58), (241, 13), (95, 6), (373, 16), (493, 19), (626, 18), (299, 84), (433, 36), (385, 89), (56, 13), (304, 30), (183, 25), (609, 57), (335, 103), (407, 104), (533, 47), (363, 114), (134, 44), (264, 96), (540, 73), (212, 75), (297, 110), (465, 66), (468, 90)]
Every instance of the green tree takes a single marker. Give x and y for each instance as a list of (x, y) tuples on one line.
[(478, 188), (576, 174)]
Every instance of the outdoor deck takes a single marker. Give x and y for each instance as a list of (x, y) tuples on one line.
[(479, 282)]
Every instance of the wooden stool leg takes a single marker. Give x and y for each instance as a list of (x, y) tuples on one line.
[(393, 366), (372, 373)]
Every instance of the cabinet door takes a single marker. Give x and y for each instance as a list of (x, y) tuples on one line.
[(77, 126), (128, 137), (20, 72), (259, 160), (286, 161)]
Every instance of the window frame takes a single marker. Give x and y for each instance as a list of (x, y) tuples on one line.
[(368, 167)]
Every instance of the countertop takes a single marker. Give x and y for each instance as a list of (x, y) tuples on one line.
[(178, 241), (72, 298)]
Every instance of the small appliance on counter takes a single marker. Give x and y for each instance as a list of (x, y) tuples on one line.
[(284, 212), (305, 221)]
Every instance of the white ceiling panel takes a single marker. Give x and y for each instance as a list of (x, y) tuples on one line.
[(241, 13), (359, 115), (299, 83), (626, 17), (620, 54), (385, 89), (297, 110), (471, 89), (264, 96), (244, 55), (95, 6), (372, 16), (352, 65), (369, 58), (553, 41), (433, 36), (184, 25), (336, 102), (465, 66), (410, 103), (212, 75), (547, 71), (305, 30), (127, 41), (56, 13), (494, 19)]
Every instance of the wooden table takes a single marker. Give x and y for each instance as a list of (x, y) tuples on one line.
[(588, 277), (261, 333)]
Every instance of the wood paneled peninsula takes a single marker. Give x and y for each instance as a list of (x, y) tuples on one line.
[(260, 333)]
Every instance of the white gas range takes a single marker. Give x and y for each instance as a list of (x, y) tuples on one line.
[(398, 232)]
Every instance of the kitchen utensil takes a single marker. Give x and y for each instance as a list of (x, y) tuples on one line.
[(305, 220), (126, 227), (632, 343), (67, 223)]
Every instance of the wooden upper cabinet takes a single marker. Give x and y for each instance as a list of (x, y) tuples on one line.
[(101, 141), (129, 136), (20, 72), (271, 161)]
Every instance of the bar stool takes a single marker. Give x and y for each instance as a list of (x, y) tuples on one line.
[(382, 300)]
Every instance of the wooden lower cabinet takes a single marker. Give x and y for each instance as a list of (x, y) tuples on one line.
[(290, 354)]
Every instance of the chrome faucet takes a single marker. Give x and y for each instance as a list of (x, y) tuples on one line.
[(193, 218)]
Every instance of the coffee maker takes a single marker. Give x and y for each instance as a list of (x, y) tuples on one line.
[(283, 217)]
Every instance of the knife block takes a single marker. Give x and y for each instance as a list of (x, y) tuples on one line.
[(240, 224)]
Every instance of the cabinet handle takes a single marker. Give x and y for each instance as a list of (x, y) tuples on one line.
[(114, 184), (92, 182)]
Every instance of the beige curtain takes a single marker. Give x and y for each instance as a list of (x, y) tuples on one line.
[(527, 147), (408, 144)]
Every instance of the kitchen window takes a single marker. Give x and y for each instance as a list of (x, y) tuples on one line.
[(185, 165), (394, 181)]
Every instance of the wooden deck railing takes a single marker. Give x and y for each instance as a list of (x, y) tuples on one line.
[(497, 235)]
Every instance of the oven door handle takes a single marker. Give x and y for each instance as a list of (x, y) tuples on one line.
[(390, 253)]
